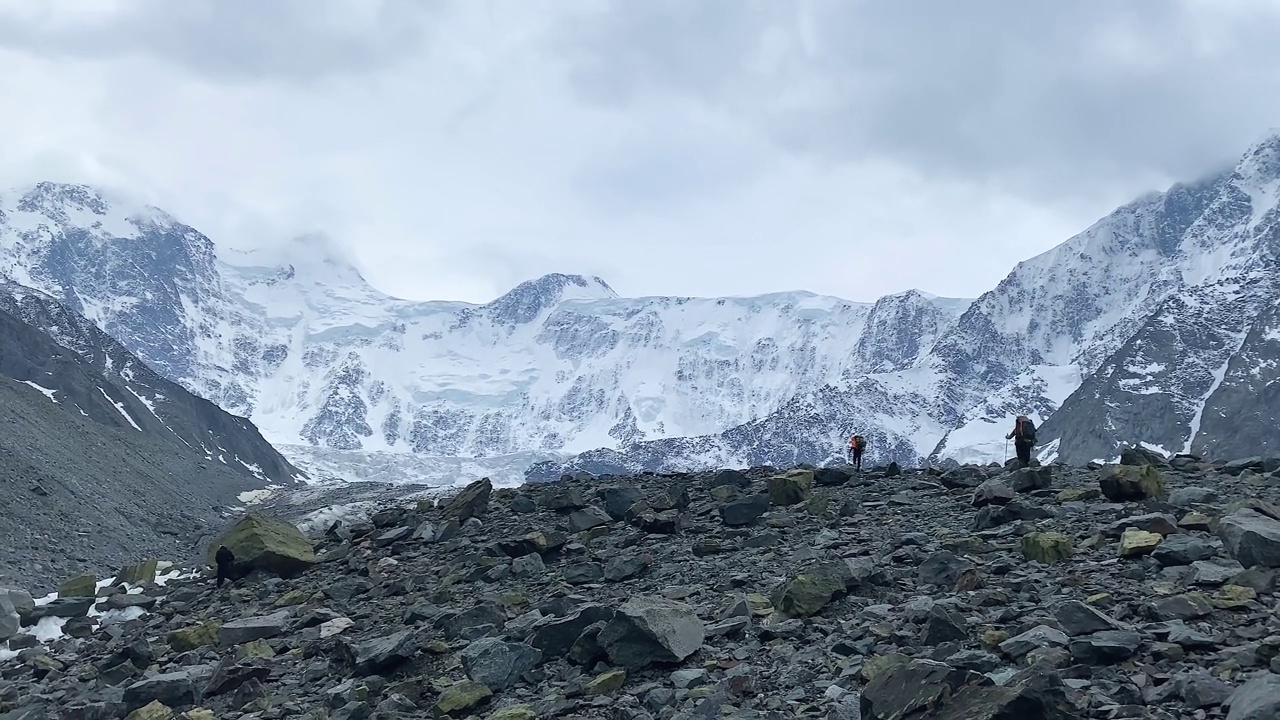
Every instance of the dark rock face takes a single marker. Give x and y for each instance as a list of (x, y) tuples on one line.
[(88, 369), (82, 454)]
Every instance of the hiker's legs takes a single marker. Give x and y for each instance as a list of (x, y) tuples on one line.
[(1024, 453), (857, 459)]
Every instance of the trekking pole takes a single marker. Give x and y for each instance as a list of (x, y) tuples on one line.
[(1006, 450)]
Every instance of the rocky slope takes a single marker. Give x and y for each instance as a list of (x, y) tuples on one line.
[(90, 472), (112, 386), (1135, 591)]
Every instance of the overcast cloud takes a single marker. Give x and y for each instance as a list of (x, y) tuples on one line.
[(670, 146)]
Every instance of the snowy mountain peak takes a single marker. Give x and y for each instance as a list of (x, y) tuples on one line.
[(527, 301), (74, 205), (315, 259)]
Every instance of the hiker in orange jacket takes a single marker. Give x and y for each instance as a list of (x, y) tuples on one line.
[(857, 444)]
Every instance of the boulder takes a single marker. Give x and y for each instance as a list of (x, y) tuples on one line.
[(1182, 549), (193, 636), (1252, 538), (260, 627), (745, 511), (943, 568), (648, 630), (20, 600), (82, 586), (497, 664), (464, 695), (1185, 497), (268, 545), (1257, 699), (1139, 456), (1047, 547), (1127, 483), (809, 590), (1135, 542), (144, 573), (1024, 480), (791, 488), (173, 689), (1078, 619), (9, 621), (473, 501), (379, 654)]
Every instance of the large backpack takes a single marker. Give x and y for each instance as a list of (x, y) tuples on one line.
[(861, 442), (1028, 430)]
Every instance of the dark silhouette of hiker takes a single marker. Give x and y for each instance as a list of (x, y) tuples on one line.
[(1024, 437), (224, 558), (857, 444)]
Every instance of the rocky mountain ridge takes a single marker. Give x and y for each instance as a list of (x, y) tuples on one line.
[(1145, 589), (98, 372)]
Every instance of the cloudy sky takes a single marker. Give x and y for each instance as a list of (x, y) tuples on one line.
[(704, 147)]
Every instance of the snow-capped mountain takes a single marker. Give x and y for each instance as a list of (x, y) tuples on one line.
[(295, 339), (1156, 325)]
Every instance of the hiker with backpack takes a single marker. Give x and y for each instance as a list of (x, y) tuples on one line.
[(857, 444), (1024, 437)]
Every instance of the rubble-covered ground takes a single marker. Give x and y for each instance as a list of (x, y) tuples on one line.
[(1140, 590)]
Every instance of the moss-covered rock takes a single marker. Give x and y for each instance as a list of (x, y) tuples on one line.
[(462, 696), (1126, 483), (514, 712), (144, 573), (607, 682), (1136, 543), (791, 488), (1047, 547), (810, 590), (194, 636), (79, 587), (269, 545)]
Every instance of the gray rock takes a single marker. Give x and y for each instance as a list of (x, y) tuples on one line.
[(174, 689), (379, 654), (1186, 497), (1257, 699), (1252, 538), (745, 511), (618, 501), (498, 664), (1160, 523), (1106, 647), (9, 622), (588, 518), (530, 565), (248, 629), (943, 568), (1041, 636), (1199, 689), (1077, 619), (626, 567), (1213, 573), (647, 630), (1182, 549)]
